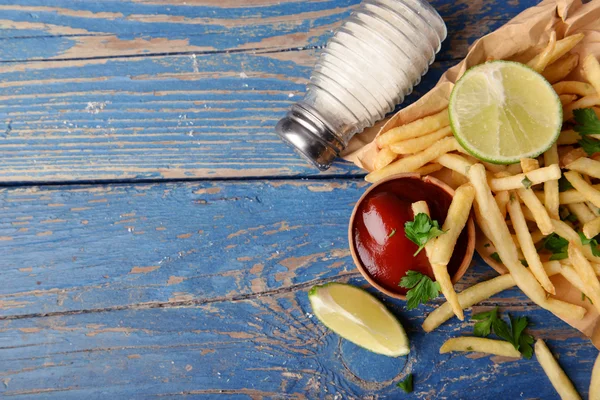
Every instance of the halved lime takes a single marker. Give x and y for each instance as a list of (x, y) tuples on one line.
[(503, 111), (359, 317)]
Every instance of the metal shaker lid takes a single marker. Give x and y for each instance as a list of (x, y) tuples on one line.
[(309, 136)]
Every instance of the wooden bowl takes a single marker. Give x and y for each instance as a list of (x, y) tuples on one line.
[(470, 226)]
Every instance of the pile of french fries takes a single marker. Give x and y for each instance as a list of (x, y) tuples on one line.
[(515, 206)]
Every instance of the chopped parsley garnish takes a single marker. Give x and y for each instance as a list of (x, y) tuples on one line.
[(587, 124), (406, 384), (512, 333), (526, 182), (486, 245), (421, 289), (525, 263), (564, 184), (593, 242), (422, 230), (392, 233), (557, 245), (583, 297), (495, 257)]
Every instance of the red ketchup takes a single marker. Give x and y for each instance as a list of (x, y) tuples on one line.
[(388, 256)]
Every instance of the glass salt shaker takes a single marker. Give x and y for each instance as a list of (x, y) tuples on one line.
[(372, 63)]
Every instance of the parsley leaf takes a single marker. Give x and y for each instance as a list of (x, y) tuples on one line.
[(392, 233), (486, 245), (422, 230), (525, 263), (583, 297), (587, 121), (484, 327), (564, 184), (495, 257), (557, 245), (422, 289), (512, 333), (590, 145), (592, 242), (526, 183), (406, 384)]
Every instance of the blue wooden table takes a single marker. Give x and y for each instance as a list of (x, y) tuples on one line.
[(157, 239)]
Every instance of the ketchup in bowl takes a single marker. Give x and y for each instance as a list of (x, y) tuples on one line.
[(378, 230)]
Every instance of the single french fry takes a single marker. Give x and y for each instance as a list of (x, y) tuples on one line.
[(584, 102), (572, 196), (565, 310), (384, 157), (540, 175), (557, 376), (414, 129), (477, 293), (493, 167), (591, 71), (411, 163), (514, 169), (572, 155), (428, 169), (415, 145), (591, 228), (527, 246), (455, 162), (558, 70), (566, 99), (574, 87), (480, 345), (568, 136), (551, 193), (594, 392), (542, 219), (456, 219), (587, 190), (586, 272), (561, 48), (569, 273), (539, 62), (529, 164), (502, 199), (581, 211), (586, 166)]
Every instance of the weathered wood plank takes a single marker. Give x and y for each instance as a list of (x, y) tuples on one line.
[(198, 115), (35, 30)]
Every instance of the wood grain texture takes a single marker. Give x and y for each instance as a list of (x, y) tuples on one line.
[(111, 90), (136, 291)]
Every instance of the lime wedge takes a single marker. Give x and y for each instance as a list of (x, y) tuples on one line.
[(359, 317), (503, 111)]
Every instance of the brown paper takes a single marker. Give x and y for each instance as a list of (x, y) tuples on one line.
[(519, 40)]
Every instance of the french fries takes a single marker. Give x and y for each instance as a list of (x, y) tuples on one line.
[(415, 161), (586, 272), (502, 199), (541, 175), (428, 169), (594, 392), (568, 136), (414, 129), (415, 145), (584, 102), (457, 217), (540, 62), (591, 71), (586, 166), (527, 246), (384, 157), (551, 194), (581, 211), (480, 345), (529, 164), (557, 376), (542, 219), (574, 87), (564, 230), (558, 70), (477, 293), (561, 48), (566, 99), (591, 228), (587, 190), (455, 162)]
